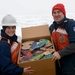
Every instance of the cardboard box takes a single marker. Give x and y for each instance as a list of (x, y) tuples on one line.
[(44, 66)]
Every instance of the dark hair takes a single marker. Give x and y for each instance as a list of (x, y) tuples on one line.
[(4, 27)]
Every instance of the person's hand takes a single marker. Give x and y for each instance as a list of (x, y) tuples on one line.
[(56, 56), (28, 70)]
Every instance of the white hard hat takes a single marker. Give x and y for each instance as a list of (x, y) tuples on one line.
[(9, 20)]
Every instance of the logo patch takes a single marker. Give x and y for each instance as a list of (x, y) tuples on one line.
[(74, 28), (61, 38)]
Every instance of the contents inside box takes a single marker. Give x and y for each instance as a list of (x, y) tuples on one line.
[(36, 50)]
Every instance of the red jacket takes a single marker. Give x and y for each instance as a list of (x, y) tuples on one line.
[(60, 38)]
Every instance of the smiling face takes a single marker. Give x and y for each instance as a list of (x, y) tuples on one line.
[(10, 30), (58, 16)]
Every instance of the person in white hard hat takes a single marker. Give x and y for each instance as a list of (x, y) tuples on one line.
[(9, 48)]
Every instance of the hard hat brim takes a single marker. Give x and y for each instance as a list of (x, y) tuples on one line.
[(9, 24)]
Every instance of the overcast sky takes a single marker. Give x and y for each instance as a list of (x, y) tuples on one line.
[(33, 7)]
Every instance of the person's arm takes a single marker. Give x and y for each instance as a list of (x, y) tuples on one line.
[(67, 50), (6, 66)]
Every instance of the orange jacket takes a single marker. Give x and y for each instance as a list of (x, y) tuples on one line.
[(60, 38), (15, 47)]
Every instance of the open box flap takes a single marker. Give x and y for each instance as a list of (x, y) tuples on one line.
[(36, 32)]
